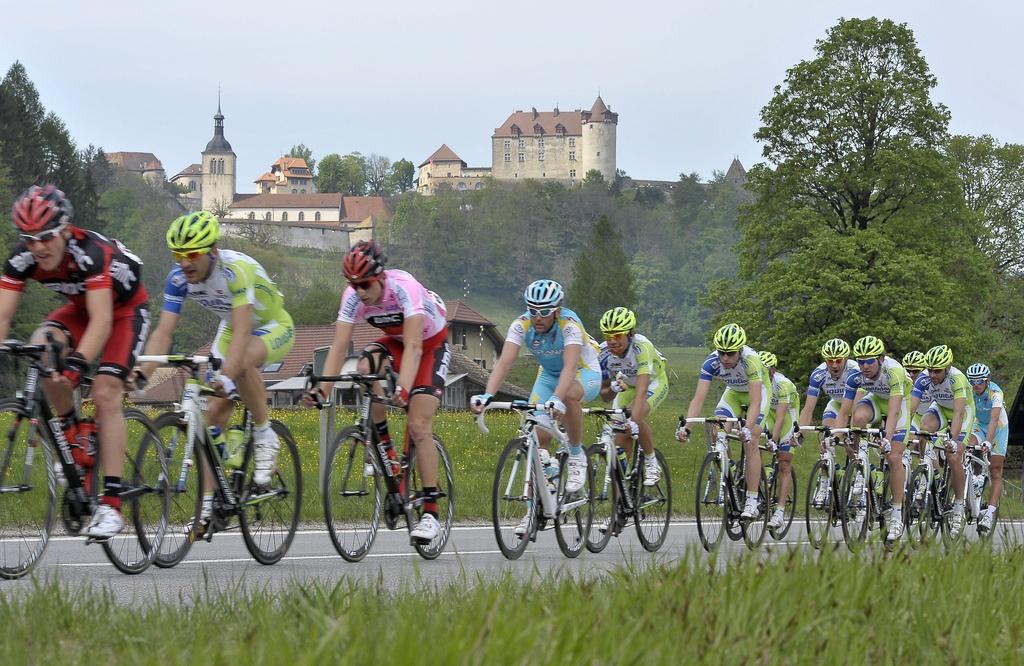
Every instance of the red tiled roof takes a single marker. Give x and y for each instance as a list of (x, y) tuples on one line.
[(266, 177), (528, 121), (460, 312), (135, 161), (357, 209), (599, 107), (190, 170), (443, 154)]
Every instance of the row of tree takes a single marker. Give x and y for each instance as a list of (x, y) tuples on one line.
[(356, 174)]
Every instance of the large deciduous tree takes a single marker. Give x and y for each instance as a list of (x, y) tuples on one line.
[(859, 226), (601, 277), (401, 178)]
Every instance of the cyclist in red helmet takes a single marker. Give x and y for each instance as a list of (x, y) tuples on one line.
[(104, 320), (415, 343)]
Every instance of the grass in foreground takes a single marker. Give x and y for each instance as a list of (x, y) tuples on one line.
[(794, 608)]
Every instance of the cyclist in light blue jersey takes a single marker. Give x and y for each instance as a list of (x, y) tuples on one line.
[(569, 372), (991, 430)]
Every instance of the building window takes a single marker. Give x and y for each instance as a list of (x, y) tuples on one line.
[(302, 216), (516, 131), (572, 173), (559, 129), (252, 216), (273, 367), (508, 157), (572, 155), (537, 129), (192, 185), (302, 191), (522, 157), (268, 217), (478, 186), (540, 156), (572, 142), (294, 191), (599, 153), (284, 216), (540, 143), (462, 186), (522, 144), (508, 144), (316, 216)]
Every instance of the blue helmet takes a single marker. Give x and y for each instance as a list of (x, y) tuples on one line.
[(544, 294), (977, 372)]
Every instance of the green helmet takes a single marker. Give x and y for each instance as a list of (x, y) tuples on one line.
[(835, 348), (914, 360), (730, 338), (193, 231), (618, 320), (868, 346), (768, 359), (939, 356)]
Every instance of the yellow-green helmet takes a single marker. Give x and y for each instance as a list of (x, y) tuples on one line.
[(939, 356), (730, 338), (914, 360), (768, 359), (868, 346), (193, 231), (618, 320), (835, 348)]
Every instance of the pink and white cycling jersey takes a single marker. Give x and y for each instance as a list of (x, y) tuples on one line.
[(403, 297)]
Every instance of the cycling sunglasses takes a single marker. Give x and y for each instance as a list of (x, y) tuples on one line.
[(44, 237), (977, 382), (362, 285), (867, 361), (191, 255), (621, 335), (540, 312)]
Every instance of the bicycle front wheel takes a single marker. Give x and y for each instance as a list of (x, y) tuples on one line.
[(820, 505), (353, 495), (574, 517), (712, 502), (185, 480), (920, 515), (445, 501), (270, 515), (512, 507), (145, 498), (950, 536), (854, 508), (652, 503), (28, 491), (604, 505)]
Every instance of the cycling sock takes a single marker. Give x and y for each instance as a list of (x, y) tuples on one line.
[(575, 449), (111, 491), (430, 506), (958, 503)]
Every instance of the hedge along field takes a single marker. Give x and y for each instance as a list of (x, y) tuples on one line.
[(797, 606)]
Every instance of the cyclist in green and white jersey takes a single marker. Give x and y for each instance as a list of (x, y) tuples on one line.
[(881, 389), (991, 430), (633, 376), (747, 388), (913, 363), (952, 406), (829, 378), (254, 329), (781, 427)]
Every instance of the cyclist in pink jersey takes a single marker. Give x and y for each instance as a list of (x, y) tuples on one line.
[(415, 344)]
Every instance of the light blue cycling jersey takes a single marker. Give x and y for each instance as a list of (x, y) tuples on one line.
[(547, 347), (991, 397)]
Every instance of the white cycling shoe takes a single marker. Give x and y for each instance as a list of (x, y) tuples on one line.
[(652, 471), (576, 473), (523, 525), (895, 528), (985, 520), (267, 446), (427, 529), (778, 519), (106, 522), (750, 510)]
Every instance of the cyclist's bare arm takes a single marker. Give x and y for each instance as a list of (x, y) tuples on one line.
[(780, 419), (9, 301), (336, 354), (808, 411), (993, 421), (699, 396), (160, 339)]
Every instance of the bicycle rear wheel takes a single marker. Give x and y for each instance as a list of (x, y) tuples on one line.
[(353, 495), (270, 517), (712, 503), (652, 505), (920, 516), (28, 491), (820, 506), (185, 480), (512, 506), (145, 498), (754, 530), (445, 503), (574, 517), (946, 496), (604, 503), (854, 508)]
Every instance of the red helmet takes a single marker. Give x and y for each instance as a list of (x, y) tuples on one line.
[(365, 260), (41, 208)]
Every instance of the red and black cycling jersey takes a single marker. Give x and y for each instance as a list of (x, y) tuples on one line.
[(91, 262)]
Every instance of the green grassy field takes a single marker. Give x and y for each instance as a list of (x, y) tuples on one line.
[(795, 607)]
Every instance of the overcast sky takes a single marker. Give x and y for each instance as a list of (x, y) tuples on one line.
[(687, 79)]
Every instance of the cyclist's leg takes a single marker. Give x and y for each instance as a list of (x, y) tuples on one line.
[(269, 343), (543, 388), (426, 394), (898, 475), (785, 456), (996, 467), (656, 392), (943, 416)]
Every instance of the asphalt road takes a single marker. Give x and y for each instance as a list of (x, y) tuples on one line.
[(472, 555)]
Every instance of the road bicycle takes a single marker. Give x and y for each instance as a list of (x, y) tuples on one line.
[(620, 493), (976, 478), (926, 499), (866, 495), (365, 480), (523, 499), (771, 470), (721, 488), (37, 458), (268, 515), (823, 508)]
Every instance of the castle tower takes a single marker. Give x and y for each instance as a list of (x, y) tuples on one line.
[(598, 141), (218, 188)]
